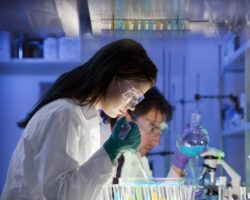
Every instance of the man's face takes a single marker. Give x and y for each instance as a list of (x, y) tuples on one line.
[(150, 127)]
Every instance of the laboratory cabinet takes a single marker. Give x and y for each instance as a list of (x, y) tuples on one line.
[(236, 139)]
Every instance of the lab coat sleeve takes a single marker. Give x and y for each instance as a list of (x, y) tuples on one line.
[(131, 168), (59, 173), (173, 174)]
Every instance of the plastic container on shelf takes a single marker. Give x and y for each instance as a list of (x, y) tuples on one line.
[(50, 49), (18, 46), (242, 100), (5, 46), (233, 118), (68, 48), (34, 48)]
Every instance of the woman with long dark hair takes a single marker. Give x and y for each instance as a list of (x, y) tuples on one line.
[(59, 155)]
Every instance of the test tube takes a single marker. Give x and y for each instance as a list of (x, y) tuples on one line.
[(146, 192), (191, 192), (153, 192), (248, 196), (139, 193), (222, 187), (243, 193), (116, 192), (162, 192)]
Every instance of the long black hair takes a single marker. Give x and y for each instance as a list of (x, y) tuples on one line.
[(125, 59)]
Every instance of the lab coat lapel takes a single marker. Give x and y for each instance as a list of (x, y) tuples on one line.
[(93, 129)]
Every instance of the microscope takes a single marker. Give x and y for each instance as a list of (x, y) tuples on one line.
[(212, 158)]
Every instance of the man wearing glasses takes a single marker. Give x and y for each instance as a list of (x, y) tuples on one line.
[(152, 116)]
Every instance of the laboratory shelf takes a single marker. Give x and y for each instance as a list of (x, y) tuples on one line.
[(36, 66), (235, 63), (239, 61), (237, 130)]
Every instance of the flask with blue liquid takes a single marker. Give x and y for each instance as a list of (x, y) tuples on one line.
[(194, 138)]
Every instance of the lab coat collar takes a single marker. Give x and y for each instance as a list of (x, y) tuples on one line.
[(91, 118), (90, 113)]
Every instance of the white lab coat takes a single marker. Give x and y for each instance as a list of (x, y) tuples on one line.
[(131, 168), (59, 156), (105, 131)]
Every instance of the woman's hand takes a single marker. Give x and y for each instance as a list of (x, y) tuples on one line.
[(126, 136)]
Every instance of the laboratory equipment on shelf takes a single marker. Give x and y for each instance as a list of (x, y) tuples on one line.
[(149, 189), (194, 139), (213, 158)]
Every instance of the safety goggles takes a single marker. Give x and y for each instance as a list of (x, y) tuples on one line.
[(130, 95), (151, 128)]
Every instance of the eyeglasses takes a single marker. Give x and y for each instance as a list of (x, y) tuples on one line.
[(150, 127), (131, 96)]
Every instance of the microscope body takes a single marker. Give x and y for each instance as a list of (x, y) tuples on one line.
[(213, 158)]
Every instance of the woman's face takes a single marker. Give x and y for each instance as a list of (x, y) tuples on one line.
[(123, 95)]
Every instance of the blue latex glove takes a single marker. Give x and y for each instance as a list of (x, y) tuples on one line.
[(198, 194), (123, 138), (180, 160)]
